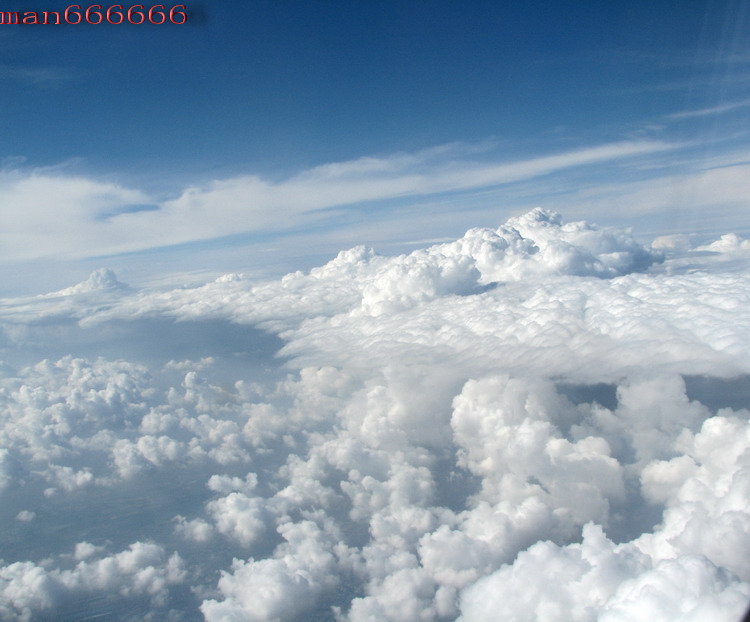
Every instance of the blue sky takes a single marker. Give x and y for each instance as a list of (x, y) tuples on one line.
[(264, 136)]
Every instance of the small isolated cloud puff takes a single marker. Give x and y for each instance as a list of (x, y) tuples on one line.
[(196, 530), (99, 281), (729, 243)]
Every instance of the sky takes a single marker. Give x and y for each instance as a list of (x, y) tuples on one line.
[(265, 136), (354, 311)]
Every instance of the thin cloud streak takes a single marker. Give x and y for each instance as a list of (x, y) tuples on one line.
[(704, 112), (38, 77), (83, 217)]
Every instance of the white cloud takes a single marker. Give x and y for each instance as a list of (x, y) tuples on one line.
[(705, 490), (196, 530), (713, 110), (693, 201), (54, 216), (280, 587), (597, 580), (499, 425), (50, 215), (28, 590), (506, 434), (240, 517), (102, 280), (730, 244)]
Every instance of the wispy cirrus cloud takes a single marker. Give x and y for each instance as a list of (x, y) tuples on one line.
[(52, 215), (713, 110), (37, 77), (704, 200)]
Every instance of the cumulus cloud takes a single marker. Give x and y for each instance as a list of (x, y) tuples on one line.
[(535, 245), (705, 491), (197, 530), (75, 423), (29, 590), (502, 425), (280, 587), (102, 280), (730, 244), (506, 434), (598, 580)]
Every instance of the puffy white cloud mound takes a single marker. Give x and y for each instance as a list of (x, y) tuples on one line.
[(505, 434), (281, 587), (416, 278), (102, 280), (533, 245), (74, 423), (579, 248), (539, 243), (598, 580), (729, 243), (706, 490), (52, 412)]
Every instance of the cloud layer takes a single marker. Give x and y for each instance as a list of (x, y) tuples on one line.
[(528, 422)]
